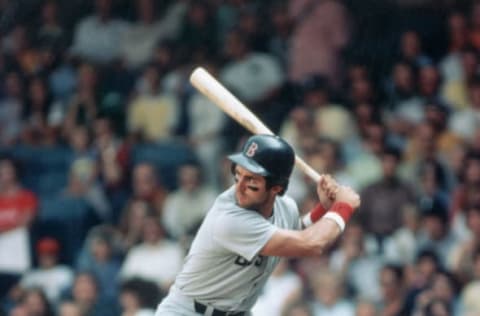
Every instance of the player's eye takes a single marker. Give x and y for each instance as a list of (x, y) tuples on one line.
[(254, 189)]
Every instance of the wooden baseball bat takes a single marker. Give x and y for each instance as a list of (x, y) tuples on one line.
[(220, 96)]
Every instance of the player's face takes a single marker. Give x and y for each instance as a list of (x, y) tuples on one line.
[(251, 190)]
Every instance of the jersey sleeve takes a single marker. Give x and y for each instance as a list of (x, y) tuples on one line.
[(244, 233)]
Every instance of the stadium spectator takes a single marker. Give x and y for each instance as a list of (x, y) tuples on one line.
[(383, 200), (146, 186), (19, 46), (331, 20), (427, 264), (365, 308), (283, 288), (152, 113), (50, 276), (281, 29), (139, 297), (185, 207), (402, 246), (100, 257), (328, 297), (356, 262), (69, 308), (411, 48), (18, 208), (155, 258), (462, 258), (97, 36), (83, 184), (85, 294), (131, 223), (457, 27), (51, 33), (464, 122), (82, 108), (456, 91), (437, 235), (198, 35), (466, 193), (299, 308), (11, 107), (139, 40), (393, 290), (36, 303), (469, 302), (112, 175), (253, 76)]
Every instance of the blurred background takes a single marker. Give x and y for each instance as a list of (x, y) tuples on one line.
[(109, 158)]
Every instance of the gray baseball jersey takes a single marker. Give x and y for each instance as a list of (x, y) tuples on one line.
[(223, 267)]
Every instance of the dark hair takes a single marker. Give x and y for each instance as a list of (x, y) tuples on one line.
[(428, 254), (43, 298), (434, 207), (147, 293), (438, 172), (193, 164), (396, 269), (392, 151), (316, 83), (273, 181)]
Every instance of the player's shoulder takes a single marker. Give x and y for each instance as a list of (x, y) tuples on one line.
[(287, 205), (227, 197), (225, 202)]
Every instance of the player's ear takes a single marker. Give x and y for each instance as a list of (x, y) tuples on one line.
[(276, 189)]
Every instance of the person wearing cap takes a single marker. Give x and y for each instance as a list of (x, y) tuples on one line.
[(50, 276), (249, 227)]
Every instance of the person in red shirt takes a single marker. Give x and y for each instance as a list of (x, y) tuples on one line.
[(17, 210)]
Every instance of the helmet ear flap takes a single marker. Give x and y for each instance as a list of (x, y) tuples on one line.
[(283, 182)]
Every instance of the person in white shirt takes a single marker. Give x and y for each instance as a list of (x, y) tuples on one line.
[(156, 258), (97, 36), (50, 276), (185, 208)]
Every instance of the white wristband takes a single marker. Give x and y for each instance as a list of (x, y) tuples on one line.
[(336, 218), (307, 220)]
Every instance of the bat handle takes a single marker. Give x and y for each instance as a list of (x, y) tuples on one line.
[(309, 171)]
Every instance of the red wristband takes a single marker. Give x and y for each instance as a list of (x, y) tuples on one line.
[(314, 215), (317, 212), (343, 209)]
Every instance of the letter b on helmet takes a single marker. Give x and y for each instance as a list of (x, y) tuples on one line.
[(266, 155)]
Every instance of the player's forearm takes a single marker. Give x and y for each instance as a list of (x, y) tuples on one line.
[(313, 216), (325, 231), (320, 236)]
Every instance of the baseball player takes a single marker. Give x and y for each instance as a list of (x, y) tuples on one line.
[(248, 228)]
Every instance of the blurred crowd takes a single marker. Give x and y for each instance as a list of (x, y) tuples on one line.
[(109, 158)]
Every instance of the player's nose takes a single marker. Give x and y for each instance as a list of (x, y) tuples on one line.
[(241, 184)]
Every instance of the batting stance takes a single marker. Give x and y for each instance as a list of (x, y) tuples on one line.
[(248, 228)]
